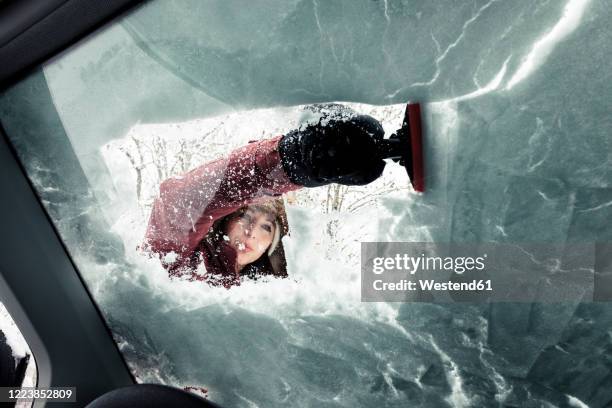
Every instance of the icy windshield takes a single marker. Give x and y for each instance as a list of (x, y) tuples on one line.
[(217, 168)]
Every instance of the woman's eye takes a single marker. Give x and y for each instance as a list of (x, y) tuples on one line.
[(267, 227)]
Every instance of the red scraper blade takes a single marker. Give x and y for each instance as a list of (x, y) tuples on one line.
[(413, 116)]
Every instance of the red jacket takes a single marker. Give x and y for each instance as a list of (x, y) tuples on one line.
[(188, 205)]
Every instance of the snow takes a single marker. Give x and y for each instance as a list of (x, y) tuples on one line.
[(170, 257), (20, 349), (14, 339)]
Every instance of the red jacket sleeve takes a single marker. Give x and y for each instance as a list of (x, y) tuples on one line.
[(188, 205)]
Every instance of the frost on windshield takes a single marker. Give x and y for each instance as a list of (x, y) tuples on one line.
[(515, 99)]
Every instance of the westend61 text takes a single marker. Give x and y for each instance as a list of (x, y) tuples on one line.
[(430, 284)]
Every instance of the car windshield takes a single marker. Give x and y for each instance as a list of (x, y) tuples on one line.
[(136, 140)]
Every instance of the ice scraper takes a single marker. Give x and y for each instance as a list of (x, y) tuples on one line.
[(406, 146)]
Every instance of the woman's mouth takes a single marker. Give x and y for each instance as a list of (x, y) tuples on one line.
[(243, 247)]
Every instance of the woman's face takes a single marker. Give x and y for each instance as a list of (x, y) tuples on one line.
[(250, 234)]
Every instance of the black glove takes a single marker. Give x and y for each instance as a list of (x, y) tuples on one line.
[(340, 149)]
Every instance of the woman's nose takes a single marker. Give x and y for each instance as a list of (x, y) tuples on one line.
[(249, 232)]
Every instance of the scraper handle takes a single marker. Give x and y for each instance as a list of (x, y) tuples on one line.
[(390, 148)]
